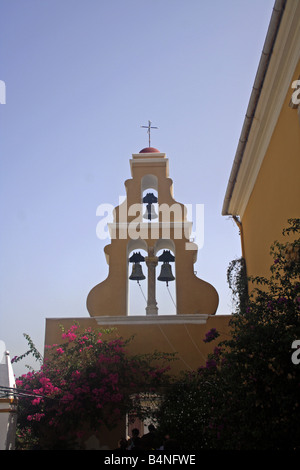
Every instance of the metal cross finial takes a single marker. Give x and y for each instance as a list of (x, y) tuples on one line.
[(149, 127)]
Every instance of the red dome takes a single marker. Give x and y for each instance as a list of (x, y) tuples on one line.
[(149, 150)]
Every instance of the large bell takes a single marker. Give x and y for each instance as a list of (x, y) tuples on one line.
[(137, 273), (166, 273)]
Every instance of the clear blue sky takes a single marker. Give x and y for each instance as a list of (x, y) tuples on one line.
[(81, 77)]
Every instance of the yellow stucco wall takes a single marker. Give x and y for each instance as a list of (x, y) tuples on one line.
[(276, 194), (184, 339)]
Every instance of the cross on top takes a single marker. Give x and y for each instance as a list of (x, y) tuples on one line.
[(149, 127)]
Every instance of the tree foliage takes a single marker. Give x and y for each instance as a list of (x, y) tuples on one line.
[(247, 394), (87, 382)]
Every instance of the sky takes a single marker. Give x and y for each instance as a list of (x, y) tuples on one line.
[(81, 78)]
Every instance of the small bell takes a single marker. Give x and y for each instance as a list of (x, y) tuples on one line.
[(166, 273), (150, 213), (137, 273)]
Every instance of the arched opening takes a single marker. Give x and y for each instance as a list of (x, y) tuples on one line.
[(166, 290), (149, 197), (136, 289), (165, 277)]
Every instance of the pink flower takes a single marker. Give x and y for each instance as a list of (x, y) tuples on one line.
[(35, 417), (211, 335), (67, 397), (70, 335), (38, 416), (76, 374), (36, 401)]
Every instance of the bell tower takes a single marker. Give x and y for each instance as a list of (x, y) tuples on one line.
[(150, 244), (150, 220)]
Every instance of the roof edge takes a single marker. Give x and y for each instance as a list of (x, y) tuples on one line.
[(266, 54)]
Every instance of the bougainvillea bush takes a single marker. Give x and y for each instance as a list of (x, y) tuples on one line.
[(88, 381), (247, 396)]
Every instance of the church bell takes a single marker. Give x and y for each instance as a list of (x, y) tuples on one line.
[(166, 274), (137, 273), (150, 213)]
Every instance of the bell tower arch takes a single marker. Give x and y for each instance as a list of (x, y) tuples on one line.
[(137, 250), (135, 228)]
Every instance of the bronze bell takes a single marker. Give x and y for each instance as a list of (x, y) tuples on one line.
[(166, 273), (137, 273), (150, 213)]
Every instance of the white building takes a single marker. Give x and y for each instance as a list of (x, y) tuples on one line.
[(8, 401)]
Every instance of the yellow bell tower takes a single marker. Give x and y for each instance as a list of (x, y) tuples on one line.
[(150, 244), (151, 220)]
